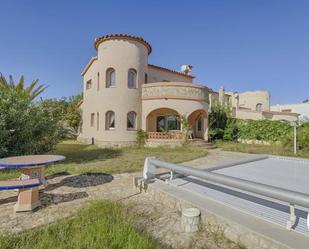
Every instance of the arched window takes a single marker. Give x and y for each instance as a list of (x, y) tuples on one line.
[(259, 107), (110, 77), (132, 75), (110, 120), (131, 120)]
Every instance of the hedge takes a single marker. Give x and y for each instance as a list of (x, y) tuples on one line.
[(265, 130)]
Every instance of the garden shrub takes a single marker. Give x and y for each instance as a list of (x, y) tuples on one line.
[(231, 130), (223, 127), (303, 136), (265, 130), (185, 126), (141, 137)]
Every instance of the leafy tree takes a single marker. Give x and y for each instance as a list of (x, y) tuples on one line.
[(218, 120), (66, 112), (25, 127), (73, 114)]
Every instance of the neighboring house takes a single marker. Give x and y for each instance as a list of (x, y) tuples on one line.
[(124, 93), (254, 105), (301, 108)]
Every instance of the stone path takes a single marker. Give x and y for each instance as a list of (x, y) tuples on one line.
[(66, 194)]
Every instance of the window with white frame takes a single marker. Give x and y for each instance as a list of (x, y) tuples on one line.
[(132, 77), (110, 120), (92, 119), (110, 77), (88, 84), (131, 120)]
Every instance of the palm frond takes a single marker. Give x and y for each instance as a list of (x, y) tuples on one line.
[(31, 92), (37, 91), (20, 85)]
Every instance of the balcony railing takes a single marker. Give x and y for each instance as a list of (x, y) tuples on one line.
[(174, 135)]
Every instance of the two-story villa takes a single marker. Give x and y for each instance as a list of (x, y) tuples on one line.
[(124, 93)]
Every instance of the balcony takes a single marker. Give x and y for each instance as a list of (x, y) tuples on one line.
[(175, 90)]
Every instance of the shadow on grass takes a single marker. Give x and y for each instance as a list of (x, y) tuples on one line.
[(48, 199), (79, 181), (83, 153), (82, 181)]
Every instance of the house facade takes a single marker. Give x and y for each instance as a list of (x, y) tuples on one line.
[(301, 108), (122, 93)]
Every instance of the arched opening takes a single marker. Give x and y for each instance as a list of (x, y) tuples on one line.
[(259, 107), (163, 123), (198, 121)]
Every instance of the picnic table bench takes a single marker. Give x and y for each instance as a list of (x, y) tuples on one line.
[(32, 177)]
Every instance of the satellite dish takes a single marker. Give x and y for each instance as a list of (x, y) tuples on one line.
[(186, 69)]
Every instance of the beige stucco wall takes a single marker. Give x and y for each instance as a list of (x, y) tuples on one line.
[(251, 99), (286, 117), (247, 99), (158, 75), (301, 108), (255, 115), (248, 114), (121, 55)]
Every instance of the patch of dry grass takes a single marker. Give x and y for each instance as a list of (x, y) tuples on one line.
[(273, 149), (82, 158)]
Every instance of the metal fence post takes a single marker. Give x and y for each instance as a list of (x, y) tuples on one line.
[(295, 139)]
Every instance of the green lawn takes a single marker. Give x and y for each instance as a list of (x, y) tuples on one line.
[(261, 149), (103, 224), (81, 158)]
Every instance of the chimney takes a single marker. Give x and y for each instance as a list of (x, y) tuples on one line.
[(221, 95)]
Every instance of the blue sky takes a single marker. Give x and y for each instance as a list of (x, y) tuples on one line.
[(241, 45)]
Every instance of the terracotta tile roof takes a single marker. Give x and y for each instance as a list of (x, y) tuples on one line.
[(101, 39), (171, 71)]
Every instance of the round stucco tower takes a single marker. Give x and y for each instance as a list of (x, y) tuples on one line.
[(121, 53)]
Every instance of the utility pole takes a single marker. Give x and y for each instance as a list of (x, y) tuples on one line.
[(295, 140)]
